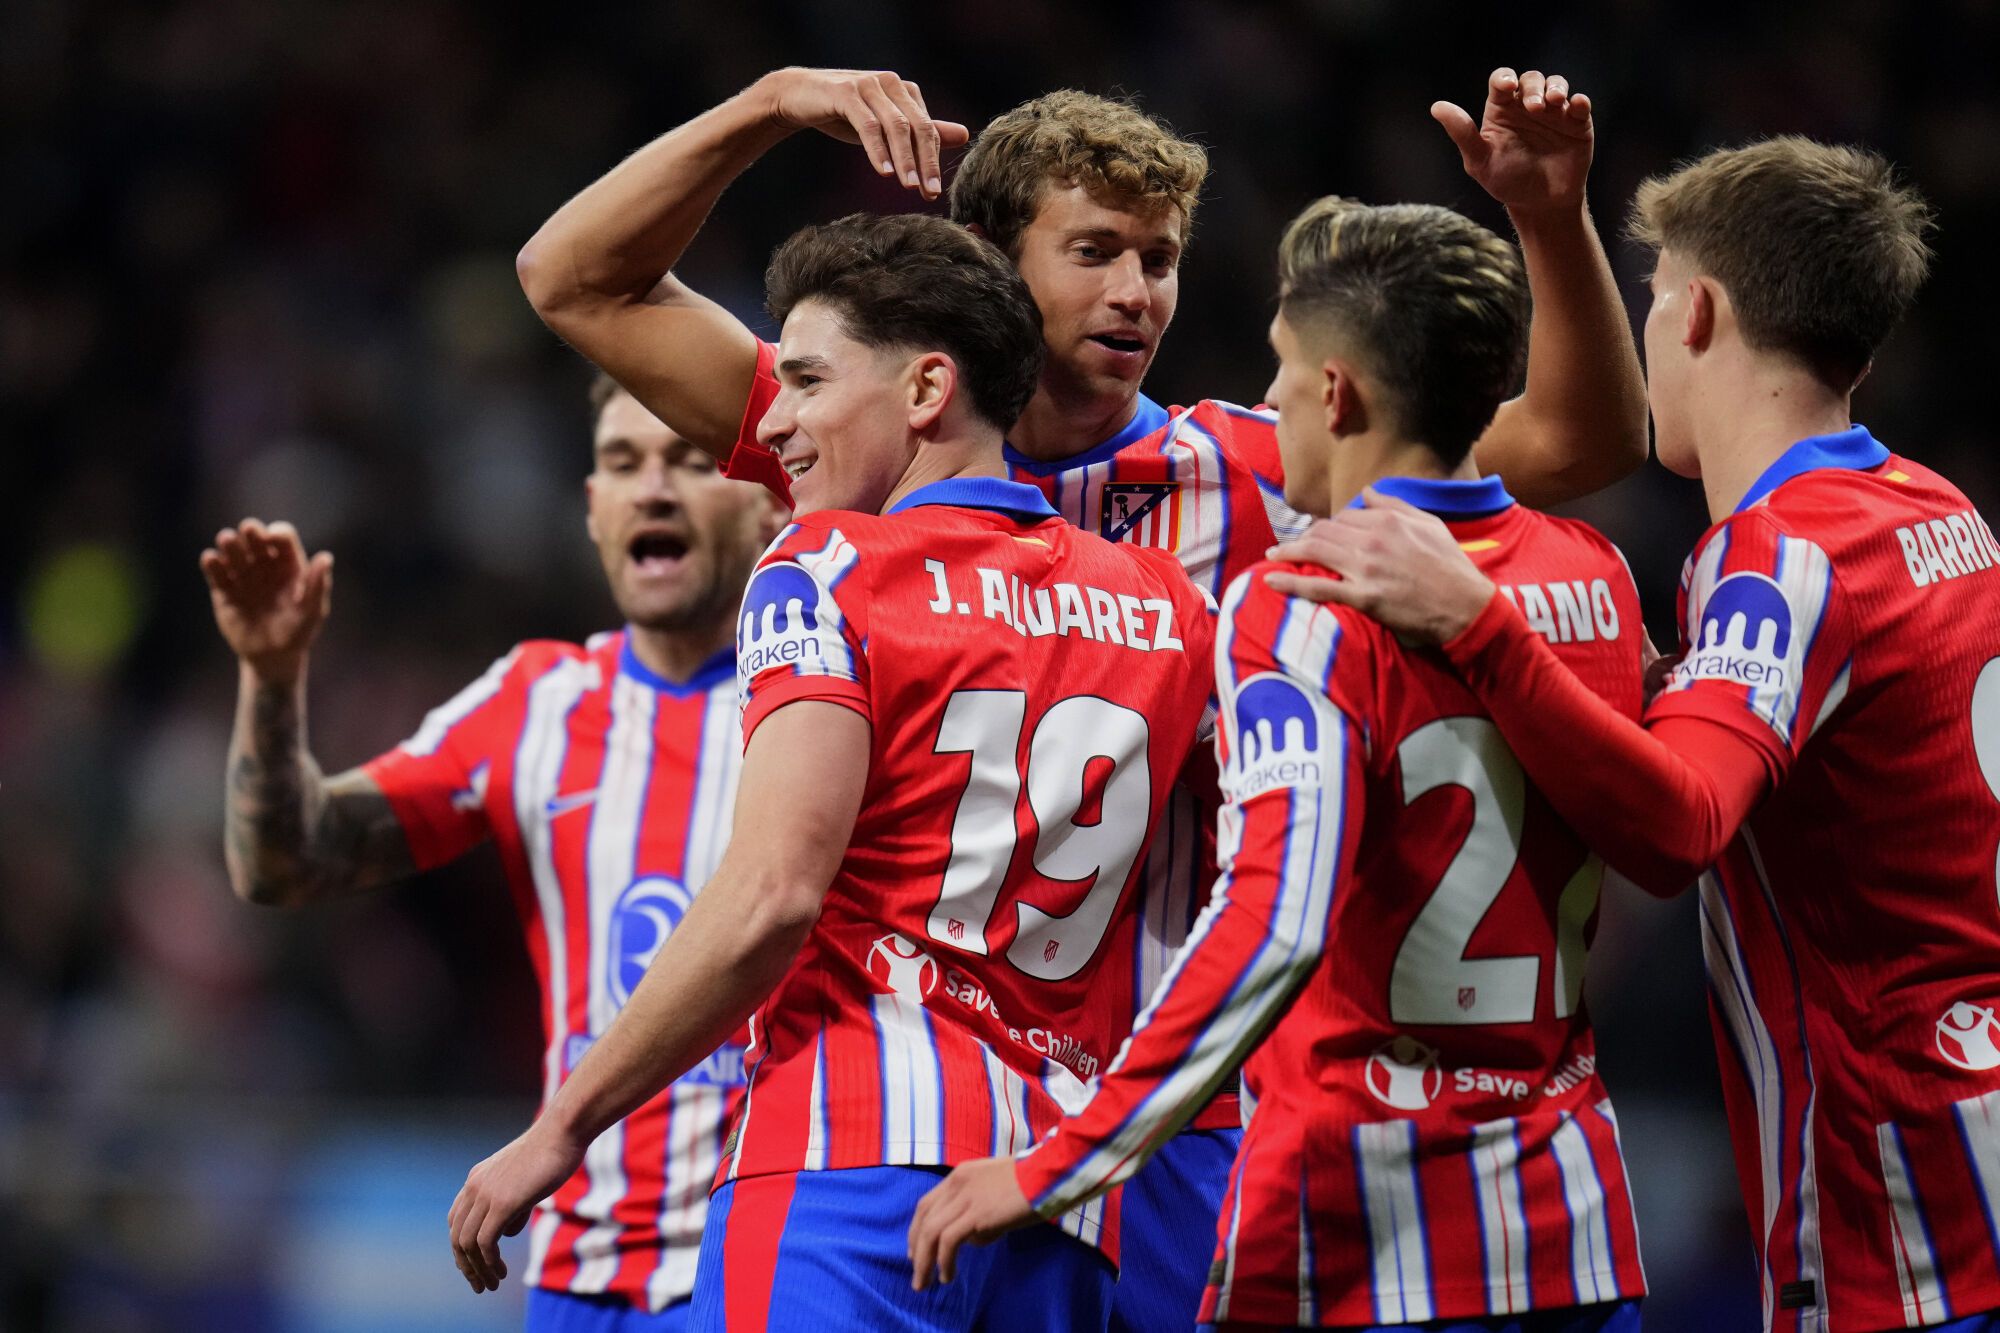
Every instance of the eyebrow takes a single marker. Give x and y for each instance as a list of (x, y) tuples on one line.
[(1112, 233), (793, 365)]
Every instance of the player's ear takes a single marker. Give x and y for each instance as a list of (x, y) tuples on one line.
[(590, 508), (1340, 398), (1703, 299), (933, 380)]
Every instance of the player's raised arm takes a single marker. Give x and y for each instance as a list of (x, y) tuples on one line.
[(803, 774), (291, 834), (594, 270), (1581, 422)]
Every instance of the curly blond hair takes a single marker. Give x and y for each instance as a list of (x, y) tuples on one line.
[(1121, 156)]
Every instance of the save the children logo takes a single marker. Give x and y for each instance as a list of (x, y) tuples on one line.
[(1404, 1073), (903, 969), (1965, 1036)]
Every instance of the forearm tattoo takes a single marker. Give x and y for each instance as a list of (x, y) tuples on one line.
[(291, 834)]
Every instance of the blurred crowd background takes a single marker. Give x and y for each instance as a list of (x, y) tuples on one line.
[(256, 259)]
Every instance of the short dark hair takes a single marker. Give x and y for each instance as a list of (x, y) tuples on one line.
[(1819, 246), (917, 281), (1432, 304)]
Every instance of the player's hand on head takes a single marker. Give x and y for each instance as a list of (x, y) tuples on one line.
[(269, 599), (978, 1203), (1531, 148), (877, 109), (1396, 563), (498, 1195)]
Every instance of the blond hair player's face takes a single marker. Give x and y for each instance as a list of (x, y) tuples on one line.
[(841, 421), (676, 538), (1107, 282)]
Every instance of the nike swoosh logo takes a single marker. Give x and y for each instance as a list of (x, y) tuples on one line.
[(576, 800)]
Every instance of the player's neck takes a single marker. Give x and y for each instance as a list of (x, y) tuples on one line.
[(1747, 425), (975, 453), (1056, 425), (677, 654), (1394, 458), (1406, 458)]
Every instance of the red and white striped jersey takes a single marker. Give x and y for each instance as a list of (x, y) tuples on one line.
[(1032, 691), (1846, 621), (1397, 944), (610, 792), (1203, 483)]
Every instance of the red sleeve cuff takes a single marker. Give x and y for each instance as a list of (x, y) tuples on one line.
[(769, 696), (1036, 1170), (749, 460)]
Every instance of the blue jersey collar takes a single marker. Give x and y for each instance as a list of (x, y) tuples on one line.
[(1447, 499), (1008, 497), (1149, 417), (1853, 448), (707, 676)]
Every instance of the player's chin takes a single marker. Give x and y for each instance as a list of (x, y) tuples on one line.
[(666, 609), (815, 490)]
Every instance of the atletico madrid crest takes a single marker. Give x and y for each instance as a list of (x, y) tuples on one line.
[(1143, 513)]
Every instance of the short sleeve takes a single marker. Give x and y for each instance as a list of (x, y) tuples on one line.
[(802, 633), (436, 780), (750, 460), (1769, 638)]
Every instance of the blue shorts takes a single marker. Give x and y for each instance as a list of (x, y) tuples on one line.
[(1609, 1317), (1167, 1232), (826, 1251), (565, 1312)]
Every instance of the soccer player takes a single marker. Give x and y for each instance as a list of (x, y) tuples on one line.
[(1399, 911), (1093, 201), (606, 773), (962, 716), (1826, 755)]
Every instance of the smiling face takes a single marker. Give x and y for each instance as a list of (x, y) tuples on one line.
[(841, 421), (676, 537), (1107, 282)]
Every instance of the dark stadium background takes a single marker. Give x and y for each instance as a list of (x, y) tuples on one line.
[(256, 259)]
